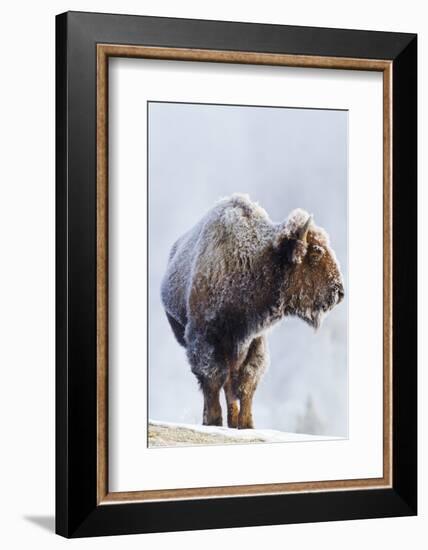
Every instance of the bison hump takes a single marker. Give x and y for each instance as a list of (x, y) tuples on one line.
[(233, 240)]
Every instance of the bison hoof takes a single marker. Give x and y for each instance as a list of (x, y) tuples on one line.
[(232, 422), (246, 424), (213, 422)]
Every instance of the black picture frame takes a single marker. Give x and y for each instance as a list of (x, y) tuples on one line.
[(77, 512)]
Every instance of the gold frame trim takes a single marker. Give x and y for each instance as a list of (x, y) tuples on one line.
[(104, 51)]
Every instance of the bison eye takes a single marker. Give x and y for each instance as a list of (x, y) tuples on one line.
[(316, 253)]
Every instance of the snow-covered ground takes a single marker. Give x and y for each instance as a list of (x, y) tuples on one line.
[(169, 434)]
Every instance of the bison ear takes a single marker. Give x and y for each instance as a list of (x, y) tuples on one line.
[(291, 242)]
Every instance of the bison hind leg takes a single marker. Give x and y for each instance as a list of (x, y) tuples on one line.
[(211, 386)]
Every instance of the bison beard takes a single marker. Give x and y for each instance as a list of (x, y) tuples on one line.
[(228, 280)]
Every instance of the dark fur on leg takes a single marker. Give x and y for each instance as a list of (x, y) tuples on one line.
[(211, 376), (232, 404), (247, 378), (212, 415)]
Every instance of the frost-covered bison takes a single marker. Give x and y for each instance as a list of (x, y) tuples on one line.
[(229, 279)]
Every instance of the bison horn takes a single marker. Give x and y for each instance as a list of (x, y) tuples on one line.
[(304, 231)]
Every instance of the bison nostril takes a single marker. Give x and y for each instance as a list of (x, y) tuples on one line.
[(341, 294)]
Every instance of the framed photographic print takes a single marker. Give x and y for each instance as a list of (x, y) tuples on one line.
[(236, 274)]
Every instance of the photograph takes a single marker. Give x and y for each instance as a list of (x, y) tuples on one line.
[(247, 274)]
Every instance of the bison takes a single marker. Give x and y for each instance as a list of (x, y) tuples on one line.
[(230, 278)]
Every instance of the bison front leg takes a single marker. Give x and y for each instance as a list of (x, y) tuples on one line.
[(232, 404), (249, 375), (212, 415)]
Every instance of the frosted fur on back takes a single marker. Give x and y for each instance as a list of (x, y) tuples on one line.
[(227, 239)]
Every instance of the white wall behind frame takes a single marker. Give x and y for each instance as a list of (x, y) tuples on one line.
[(27, 302)]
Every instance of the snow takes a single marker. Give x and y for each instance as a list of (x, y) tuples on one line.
[(223, 433)]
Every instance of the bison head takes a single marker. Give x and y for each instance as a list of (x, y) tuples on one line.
[(313, 283)]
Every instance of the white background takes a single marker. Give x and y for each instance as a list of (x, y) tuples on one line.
[(27, 274), (132, 82)]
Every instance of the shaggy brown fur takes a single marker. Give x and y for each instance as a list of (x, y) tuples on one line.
[(228, 280)]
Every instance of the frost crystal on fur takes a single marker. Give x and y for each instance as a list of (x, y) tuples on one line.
[(230, 278)]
